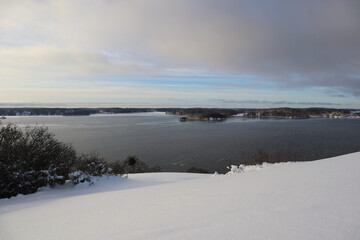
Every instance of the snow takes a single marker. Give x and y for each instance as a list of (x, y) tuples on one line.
[(304, 200)]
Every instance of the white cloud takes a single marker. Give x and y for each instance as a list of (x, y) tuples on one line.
[(44, 62)]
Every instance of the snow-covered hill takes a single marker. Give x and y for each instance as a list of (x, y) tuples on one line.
[(308, 200)]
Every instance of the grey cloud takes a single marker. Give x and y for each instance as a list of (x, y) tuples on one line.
[(292, 43)]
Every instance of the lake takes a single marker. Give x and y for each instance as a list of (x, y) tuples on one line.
[(162, 139)]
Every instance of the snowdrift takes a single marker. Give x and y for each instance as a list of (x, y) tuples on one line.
[(307, 200)]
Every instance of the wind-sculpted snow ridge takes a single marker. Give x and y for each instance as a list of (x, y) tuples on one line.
[(301, 200)]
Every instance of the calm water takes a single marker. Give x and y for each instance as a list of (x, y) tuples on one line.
[(176, 146)]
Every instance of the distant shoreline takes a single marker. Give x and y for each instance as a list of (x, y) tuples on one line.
[(91, 115), (193, 114)]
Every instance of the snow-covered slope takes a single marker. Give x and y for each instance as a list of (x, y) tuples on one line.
[(309, 200)]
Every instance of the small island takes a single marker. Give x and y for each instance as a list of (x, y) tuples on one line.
[(209, 116)]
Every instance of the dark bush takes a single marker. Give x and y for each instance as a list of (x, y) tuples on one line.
[(117, 167), (134, 165), (32, 158)]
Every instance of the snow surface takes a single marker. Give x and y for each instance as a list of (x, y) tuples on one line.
[(307, 200)]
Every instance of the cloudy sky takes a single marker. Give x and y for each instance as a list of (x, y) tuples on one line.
[(209, 53)]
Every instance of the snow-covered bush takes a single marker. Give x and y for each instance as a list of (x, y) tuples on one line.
[(77, 177), (88, 166), (32, 158), (92, 165)]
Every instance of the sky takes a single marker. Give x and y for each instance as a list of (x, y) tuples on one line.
[(180, 53)]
